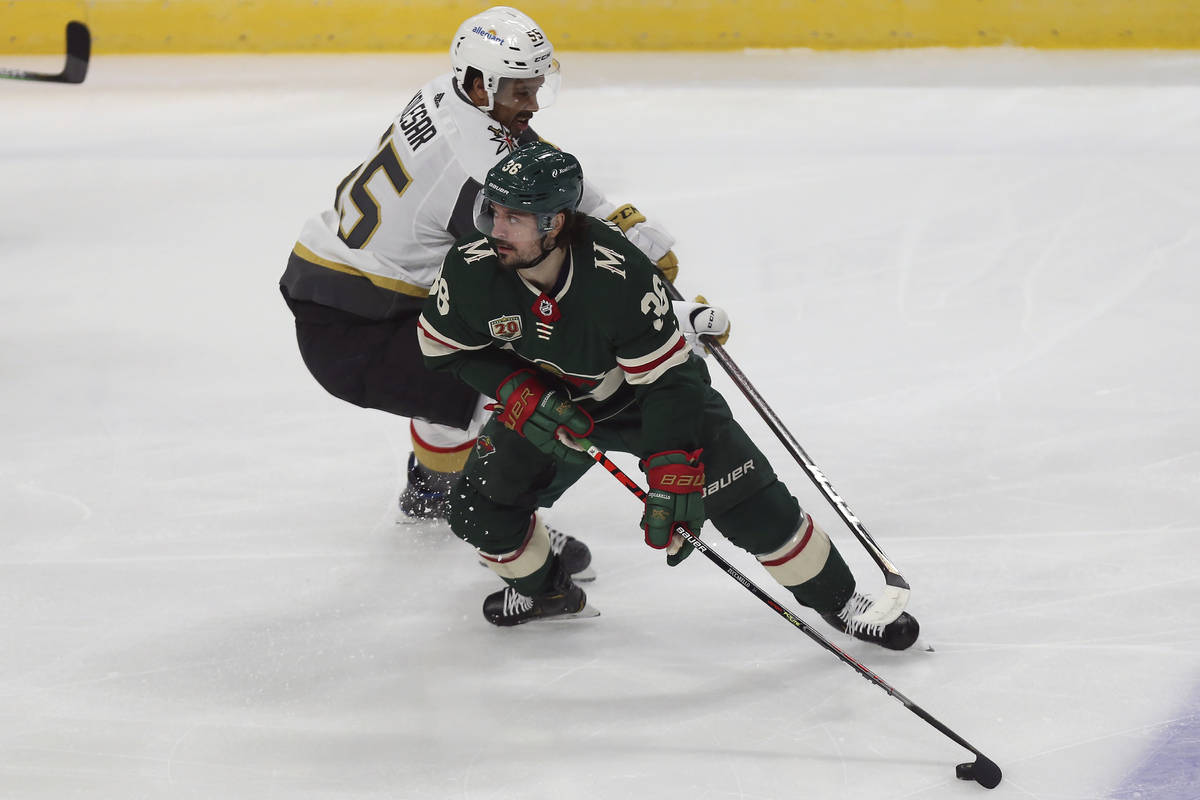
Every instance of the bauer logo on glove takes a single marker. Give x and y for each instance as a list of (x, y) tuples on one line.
[(542, 415), (676, 497)]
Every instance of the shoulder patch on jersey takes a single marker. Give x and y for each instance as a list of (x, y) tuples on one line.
[(415, 123), (608, 259), (507, 327), (477, 250)]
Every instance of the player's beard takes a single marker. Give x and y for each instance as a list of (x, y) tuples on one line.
[(515, 122), (516, 260), (519, 122)]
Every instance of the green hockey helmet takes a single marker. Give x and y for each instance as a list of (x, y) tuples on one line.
[(536, 178)]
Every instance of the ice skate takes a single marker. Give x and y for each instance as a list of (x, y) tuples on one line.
[(575, 556), (897, 635), (427, 495), (562, 600)]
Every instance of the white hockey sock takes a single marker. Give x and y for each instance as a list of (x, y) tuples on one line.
[(526, 559), (802, 557)]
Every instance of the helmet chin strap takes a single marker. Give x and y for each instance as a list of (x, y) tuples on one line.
[(545, 252)]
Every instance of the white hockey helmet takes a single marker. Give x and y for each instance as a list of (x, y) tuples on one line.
[(504, 43)]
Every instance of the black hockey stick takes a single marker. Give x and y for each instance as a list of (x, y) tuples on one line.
[(895, 596), (982, 770), (79, 51)]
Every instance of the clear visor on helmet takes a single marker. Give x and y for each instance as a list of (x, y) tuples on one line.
[(507, 224), (524, 92)]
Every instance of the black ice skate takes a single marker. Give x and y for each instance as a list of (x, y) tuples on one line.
[(575, 556), (561, 601), (897, 635), (427, 495)]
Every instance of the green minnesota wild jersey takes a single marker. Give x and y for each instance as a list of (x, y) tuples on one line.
[(605, 334)]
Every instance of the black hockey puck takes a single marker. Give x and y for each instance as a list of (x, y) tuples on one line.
[(984, 772)]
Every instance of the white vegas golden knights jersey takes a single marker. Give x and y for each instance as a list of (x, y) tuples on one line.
[(398, 213)]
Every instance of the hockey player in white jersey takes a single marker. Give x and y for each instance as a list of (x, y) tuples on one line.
[(358, 274)]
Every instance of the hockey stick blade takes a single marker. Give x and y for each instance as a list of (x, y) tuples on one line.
[(79, 53)]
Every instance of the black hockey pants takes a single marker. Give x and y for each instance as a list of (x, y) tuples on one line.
[(377, 364)]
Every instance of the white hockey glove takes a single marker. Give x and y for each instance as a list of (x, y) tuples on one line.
[(701, 319), (655, 242)]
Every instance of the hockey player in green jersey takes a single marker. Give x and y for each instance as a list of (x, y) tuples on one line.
[(360, 270), (568, 326)]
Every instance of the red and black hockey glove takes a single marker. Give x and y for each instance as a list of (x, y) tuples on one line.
[(538, 413), (676, 494)]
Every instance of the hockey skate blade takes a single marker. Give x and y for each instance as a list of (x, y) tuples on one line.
[(887, 609), (585, 575), (586, 612)]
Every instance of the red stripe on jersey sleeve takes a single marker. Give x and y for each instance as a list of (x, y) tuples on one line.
[(679, 345), (426, 332)]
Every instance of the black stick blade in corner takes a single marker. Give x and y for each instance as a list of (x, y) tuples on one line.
[(79, 52)]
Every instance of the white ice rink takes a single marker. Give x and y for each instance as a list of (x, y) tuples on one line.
[(968, 282)]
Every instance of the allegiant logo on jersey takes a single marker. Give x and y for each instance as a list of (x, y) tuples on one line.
[(416, 124), (735, 475), (489, 35), (507, 327)]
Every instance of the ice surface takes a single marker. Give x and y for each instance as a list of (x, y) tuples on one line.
[(967, 282)]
